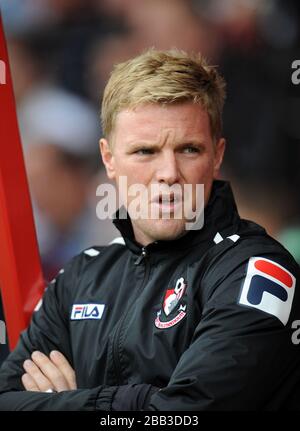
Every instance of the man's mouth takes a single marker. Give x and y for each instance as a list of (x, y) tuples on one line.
[(167, 203), (167, 199)]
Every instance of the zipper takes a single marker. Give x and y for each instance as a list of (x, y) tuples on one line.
[(141, 256), (116, 360)]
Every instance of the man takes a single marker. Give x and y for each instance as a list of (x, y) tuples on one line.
[(165, 318)]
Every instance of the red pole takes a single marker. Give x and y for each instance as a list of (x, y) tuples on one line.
[(21, 279)]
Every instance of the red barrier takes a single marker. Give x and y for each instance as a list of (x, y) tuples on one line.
[(21, 279)]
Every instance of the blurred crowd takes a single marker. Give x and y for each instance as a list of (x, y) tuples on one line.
[(61, 53)]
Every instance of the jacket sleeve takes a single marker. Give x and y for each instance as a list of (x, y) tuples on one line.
[(47, 331), (239, 356)]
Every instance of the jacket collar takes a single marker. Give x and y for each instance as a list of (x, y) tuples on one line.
[(219, 214)]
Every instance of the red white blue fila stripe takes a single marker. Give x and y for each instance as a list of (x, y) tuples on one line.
[(269, 287)]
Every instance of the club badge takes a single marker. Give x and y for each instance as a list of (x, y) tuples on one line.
[(172, 304)]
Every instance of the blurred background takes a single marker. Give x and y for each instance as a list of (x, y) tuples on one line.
[(61, 53)]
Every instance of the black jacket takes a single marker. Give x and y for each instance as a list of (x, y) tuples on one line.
[(207, 318)]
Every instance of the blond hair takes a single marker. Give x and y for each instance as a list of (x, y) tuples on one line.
[(164, 77)]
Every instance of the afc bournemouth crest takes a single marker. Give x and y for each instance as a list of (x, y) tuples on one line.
[(165, 318)]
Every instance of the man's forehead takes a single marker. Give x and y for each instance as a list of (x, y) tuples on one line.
[(163, 110), (154, 121)]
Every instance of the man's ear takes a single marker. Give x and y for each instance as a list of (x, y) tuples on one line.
[(219, 154), (108, 158)]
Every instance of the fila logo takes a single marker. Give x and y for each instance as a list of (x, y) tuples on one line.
[(87, 311), (269, 287)]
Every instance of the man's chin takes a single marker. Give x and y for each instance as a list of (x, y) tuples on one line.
[(165, 230)]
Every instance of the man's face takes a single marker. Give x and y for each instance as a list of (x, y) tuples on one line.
[(163, 145)]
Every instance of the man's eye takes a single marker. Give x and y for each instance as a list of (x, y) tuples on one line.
[(191, 149), (144, 151)]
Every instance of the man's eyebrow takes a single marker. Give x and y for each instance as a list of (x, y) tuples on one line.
[(192, 141), (180, 143), (140, 143)]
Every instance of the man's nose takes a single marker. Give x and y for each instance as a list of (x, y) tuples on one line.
[(167, 169)]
